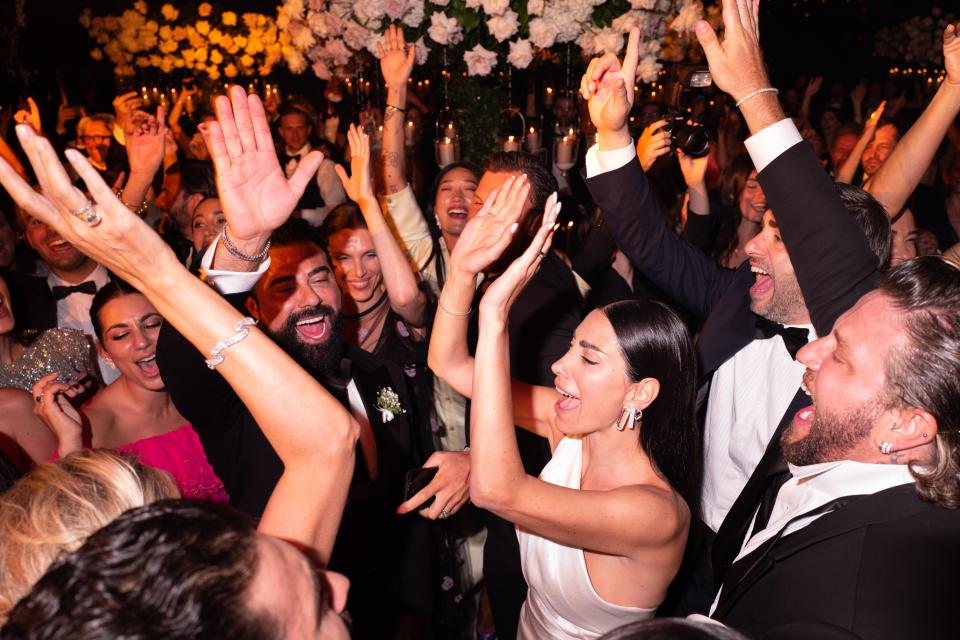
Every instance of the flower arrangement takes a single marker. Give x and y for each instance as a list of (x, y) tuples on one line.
[(917, 40), (326, 35), (203, 40)]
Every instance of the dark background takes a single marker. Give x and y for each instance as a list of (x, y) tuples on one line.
[(800, 37)]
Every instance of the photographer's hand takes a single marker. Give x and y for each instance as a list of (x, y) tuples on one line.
[(653, 143)]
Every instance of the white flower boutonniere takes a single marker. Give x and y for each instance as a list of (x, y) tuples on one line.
[(388, 402)]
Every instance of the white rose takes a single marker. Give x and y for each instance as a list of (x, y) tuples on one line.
[(355, 36), (440, 3), (421, 51), (608, 41), (322, 71), (368, 11), (543, 33), (628, 21), (444, 30), (503, 27), (587, 43), (648, 69), (337, 51), (473, 4), (414, 15), (295, 61), (304, 39), (690, 12), (479, 61), (495, 7), (535, 8), (643, 4), (521, 54)]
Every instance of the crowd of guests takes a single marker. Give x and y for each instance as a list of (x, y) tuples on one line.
[(261, 380)]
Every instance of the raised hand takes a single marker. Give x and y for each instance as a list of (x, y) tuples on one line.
[(487, 236), (124, 105), (56, 411), (256, 196), (500, 295), (813, 86), (653, 143), (396, 57), (736, 64), (144, 136), (693, 169), (121, 241), (359, 185), (30, 117), (870, 126), (951, 53), (607, 86)]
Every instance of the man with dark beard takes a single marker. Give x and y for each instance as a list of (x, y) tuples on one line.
[(278, 272)]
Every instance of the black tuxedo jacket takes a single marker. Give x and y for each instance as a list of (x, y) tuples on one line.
[(33, 303), (883, 566), (831, 258)]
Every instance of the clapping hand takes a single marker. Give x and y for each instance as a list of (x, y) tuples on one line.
[(61, 417), (500, 295), (487, 236), (256, 196), (607, 86), (359, 185)]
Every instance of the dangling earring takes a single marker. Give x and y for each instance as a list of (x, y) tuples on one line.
[(637, 419), (629, 418), (437, 218), (886, 448)]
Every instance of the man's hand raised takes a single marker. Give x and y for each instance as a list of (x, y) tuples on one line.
[(736, 64), (607, 86), (256, 196)]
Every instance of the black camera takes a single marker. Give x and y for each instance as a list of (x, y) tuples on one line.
[(692, 85)]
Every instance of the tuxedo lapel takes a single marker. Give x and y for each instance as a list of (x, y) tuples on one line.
[(891, 504)]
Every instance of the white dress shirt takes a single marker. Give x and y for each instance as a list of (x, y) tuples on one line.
[(331, 189), (815, 485), (73, 311), (751, 391)]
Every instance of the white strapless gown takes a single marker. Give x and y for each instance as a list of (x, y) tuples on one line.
[(561, 602)]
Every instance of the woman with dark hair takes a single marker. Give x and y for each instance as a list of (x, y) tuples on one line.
[(721, 226), (602, 531), (134, 414)]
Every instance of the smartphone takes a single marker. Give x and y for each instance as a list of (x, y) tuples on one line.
[(416, 480)]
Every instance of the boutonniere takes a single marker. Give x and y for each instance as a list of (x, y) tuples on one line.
[(388, 402)]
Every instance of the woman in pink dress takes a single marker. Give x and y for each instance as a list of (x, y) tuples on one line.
[(134, 414)]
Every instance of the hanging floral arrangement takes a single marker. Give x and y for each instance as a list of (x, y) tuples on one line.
[(328, 36), (203, 39)]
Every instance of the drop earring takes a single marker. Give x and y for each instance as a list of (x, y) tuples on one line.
[(886, 448), (629, 418)]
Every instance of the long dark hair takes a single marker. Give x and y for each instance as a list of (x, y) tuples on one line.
[(116, 288), (655, 344), (430, 213)]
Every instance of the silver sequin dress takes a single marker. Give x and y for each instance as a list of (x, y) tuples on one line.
[(64, 351)]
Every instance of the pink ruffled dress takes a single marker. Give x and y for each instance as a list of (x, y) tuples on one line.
[(180, 454)]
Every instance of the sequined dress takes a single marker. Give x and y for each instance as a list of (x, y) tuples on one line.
[(64, 351)]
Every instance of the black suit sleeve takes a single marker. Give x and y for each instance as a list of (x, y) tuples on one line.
[(639, 227), (833, 262), (700, 231), (200, 394)]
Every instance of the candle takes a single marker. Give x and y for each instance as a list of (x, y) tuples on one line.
[(565, 150), (548, 97), (446, 152), (533, 140), (144, 94), (450, 131), (511, 144), (409, 134)]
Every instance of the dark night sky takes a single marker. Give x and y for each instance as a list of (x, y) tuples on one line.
[(833, 37)]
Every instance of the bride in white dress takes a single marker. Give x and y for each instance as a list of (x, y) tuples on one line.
[(602, 530)]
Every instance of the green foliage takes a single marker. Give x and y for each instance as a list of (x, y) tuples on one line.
[(478, 102)]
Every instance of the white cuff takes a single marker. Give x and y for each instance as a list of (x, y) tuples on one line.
[(768, 144), (603, 161), (229, 282)]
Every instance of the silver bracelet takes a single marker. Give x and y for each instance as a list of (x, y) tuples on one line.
[(232, 248), (455, 314), (216, 354), (755, 93)]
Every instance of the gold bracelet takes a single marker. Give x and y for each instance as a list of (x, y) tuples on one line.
[(138, 209), (456, 314)]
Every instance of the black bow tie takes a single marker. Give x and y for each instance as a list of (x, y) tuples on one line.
[(89, 287), (285, 158), (793, 337)]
